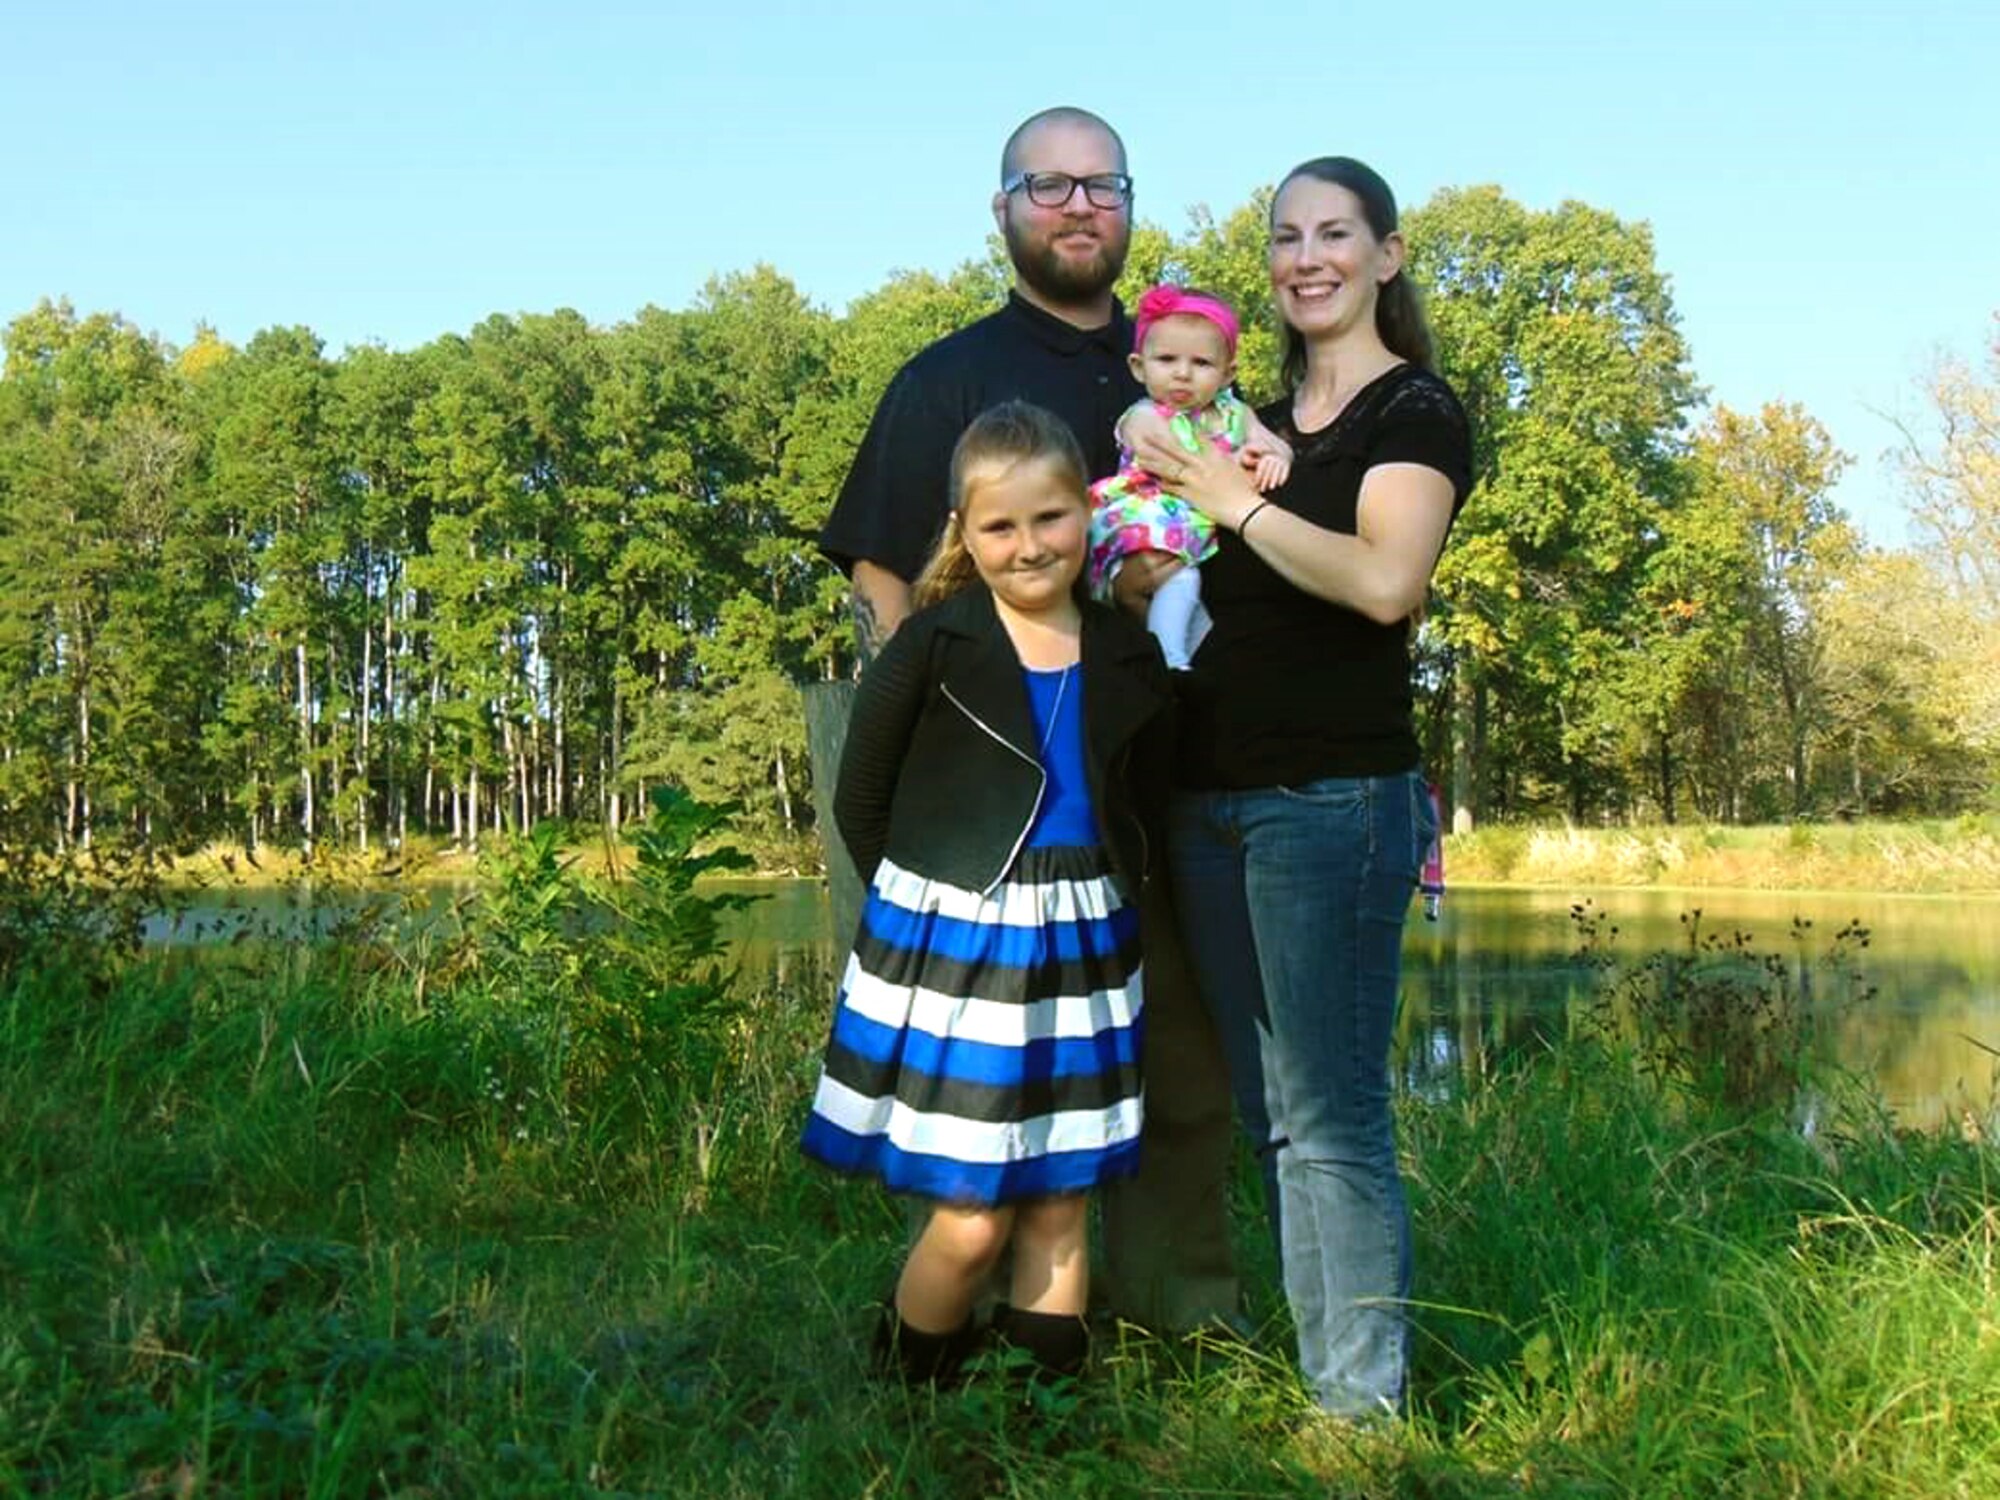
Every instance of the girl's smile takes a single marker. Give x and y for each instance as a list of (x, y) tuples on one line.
[(1026, 528)]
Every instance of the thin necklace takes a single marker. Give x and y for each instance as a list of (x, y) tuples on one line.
[(1055, 711), (1338, 400)]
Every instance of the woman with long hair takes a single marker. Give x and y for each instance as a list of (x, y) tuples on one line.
[(1301, 816)]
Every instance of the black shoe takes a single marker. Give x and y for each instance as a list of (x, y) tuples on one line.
[(1059, 1343), (918, 1358)]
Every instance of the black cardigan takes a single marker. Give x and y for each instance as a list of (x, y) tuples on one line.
[(940, 771)]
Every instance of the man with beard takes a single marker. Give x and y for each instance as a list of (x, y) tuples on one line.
[(1061, 341), (1064, 208)]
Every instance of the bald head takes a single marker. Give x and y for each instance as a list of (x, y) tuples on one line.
[(1062, 117)]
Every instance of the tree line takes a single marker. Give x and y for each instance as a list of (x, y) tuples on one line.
[(268, 594)]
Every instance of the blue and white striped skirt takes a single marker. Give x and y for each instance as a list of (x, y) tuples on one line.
[(985, 1049)]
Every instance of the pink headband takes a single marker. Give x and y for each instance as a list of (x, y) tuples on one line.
[(1169, 301)]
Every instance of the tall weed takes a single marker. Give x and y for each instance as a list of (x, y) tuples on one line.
[(591, 1000), (74, 914), (1746, 1025)]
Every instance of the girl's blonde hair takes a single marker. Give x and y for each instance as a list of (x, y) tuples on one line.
[(1000, 437)]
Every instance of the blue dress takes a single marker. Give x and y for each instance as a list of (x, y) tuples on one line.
[(985, 1048)]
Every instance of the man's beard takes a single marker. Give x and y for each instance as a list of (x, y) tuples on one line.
[(1062, 278)]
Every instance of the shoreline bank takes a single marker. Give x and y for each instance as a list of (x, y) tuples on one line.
[(1957, 857)]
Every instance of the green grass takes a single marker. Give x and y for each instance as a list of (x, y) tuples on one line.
[(347, 1224)]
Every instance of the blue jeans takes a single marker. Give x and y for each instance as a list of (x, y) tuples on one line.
[(1292, 903)]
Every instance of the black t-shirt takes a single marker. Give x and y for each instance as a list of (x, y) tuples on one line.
[(896, 496), (1289, 688)]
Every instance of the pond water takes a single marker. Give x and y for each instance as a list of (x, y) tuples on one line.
[(1499, 972)]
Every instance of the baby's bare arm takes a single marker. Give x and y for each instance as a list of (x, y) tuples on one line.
[(1142, 425), (1267, 456)]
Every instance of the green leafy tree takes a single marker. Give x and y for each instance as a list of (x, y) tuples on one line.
[(471, 442), (1895, 737), (374, 402), (275, 483), (544, 567), (1952, 494), (637, 548), (739, 735), (86, 464), (1775, 473), (1672, 693), (1558, 331), (880, 331)]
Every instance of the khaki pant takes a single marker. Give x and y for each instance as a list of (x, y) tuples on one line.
[(1167, 1259)]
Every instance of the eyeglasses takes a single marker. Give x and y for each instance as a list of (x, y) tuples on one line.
[(1055, 189)]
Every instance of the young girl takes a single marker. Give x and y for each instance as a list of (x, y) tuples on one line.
[(1184, 354), (1003, 770)]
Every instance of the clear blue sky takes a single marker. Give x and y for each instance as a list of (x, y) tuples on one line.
[(1823, 180)]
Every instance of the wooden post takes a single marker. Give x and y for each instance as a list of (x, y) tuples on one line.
[(828, 705)]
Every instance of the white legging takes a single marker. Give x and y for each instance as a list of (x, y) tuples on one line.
[(1177, 617)]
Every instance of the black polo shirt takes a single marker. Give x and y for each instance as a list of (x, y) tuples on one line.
[(893, 505)]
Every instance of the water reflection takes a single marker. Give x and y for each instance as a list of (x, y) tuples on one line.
[(1499, 975), (1470, 1006)]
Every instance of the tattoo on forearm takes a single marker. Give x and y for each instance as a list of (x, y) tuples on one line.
[(867, 628)]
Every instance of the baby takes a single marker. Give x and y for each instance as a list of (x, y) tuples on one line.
[(1185, 355)]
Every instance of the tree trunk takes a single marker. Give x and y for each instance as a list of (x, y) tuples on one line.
[(523, 790), (430, 766), (1667, 776), (361, 729), (505, 793), (306, 809), (1468, 711), (529, 772), (395, 814), (80, 800), (784, 793), (1795, 734), (558, 760), (615, 818)]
